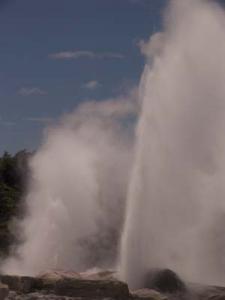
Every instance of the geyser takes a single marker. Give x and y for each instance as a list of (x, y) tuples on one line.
[(175, 209), (176, 206)]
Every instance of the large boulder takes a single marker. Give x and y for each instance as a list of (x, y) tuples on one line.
[(91, 288), (165, 281), (68, 284)]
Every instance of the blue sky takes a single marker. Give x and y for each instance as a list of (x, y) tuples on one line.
[(55, 54)]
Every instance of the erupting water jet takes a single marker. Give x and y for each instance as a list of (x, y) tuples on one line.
[(176, 208)]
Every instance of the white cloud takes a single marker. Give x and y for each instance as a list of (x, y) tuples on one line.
[(91, 85), (139, 1), (30, 91), (67, 55), (40, 119), (8, 123), (110, 55), (135, 1), (72, 55)]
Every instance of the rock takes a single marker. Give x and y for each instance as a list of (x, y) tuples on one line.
[(4, 291), (58, 274), (41, 296), (23, 284), (98, 274), (99, 285), (66, 284), (94, 274), (202, 292), (92, 288), (146, 294), (93, 285), (38, 296), (165, 281)]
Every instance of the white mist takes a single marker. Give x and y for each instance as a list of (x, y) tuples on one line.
[(76, 197)]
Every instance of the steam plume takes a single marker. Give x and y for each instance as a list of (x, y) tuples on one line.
[(76, 199), (176, 207)]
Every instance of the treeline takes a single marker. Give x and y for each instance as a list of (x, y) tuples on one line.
[(14, 174)]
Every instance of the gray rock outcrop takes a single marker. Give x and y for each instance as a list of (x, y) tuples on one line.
[(103, 285), (66, 284)]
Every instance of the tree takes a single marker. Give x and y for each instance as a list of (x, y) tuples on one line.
[(14, 174)]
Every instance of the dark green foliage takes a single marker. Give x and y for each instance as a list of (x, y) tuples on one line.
[(13, 177)]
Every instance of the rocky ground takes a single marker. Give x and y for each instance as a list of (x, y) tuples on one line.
[(58, 285)]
